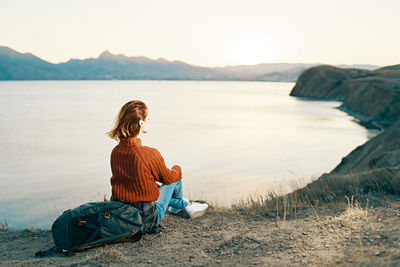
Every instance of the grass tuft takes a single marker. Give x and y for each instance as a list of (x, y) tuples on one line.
[(109, 254), (4, 226), (329, 188)]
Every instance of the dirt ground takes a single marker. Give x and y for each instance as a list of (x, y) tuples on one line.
[(320, 237)]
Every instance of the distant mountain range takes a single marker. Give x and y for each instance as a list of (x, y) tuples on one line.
[(107, 66)]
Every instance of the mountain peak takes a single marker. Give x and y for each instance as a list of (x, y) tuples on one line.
[(106, 54), (161, 59)]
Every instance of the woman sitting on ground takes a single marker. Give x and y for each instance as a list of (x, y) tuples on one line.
[(139, 173)]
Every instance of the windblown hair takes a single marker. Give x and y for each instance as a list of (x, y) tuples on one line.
[(127, 123)]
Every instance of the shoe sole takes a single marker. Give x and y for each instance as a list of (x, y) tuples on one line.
[(177, 210), (198, 213)]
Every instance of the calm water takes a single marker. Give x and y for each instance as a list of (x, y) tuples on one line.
[(232, 140)]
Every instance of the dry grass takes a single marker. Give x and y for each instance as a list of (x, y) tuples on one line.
[(377, 184), (275, 203), (34, 230), (109, 254), (4, 226), (354, 212), (331, 187), (393, 204)]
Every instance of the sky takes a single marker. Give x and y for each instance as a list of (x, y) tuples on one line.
[(206, 32)]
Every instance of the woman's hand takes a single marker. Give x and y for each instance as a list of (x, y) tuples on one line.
[(178, 167)]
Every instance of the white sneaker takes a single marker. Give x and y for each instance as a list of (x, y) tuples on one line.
[(176, 210), (196, 209)]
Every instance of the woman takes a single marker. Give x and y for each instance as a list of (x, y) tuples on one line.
[(139, 173)]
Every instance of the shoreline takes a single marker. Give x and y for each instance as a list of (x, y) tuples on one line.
[(362, 120)]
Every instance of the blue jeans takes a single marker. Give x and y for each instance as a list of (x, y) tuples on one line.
[(170, 195)]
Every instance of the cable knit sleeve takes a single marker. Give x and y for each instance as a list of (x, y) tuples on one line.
[(161, 172)]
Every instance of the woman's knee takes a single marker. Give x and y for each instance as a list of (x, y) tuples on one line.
[(177, 183)]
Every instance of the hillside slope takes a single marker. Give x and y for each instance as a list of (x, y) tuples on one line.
[(374, 98)]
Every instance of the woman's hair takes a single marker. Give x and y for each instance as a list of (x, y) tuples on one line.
[(127, 123)]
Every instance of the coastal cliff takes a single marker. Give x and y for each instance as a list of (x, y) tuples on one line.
[(373, 97)]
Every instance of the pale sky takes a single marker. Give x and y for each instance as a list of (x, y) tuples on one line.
[(207, 32)]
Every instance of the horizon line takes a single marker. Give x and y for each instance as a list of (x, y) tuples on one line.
[(178, 60)]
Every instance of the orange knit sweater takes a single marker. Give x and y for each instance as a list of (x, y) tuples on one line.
[(135, 170)]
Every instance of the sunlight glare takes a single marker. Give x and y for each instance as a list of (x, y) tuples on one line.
[(251, 48)]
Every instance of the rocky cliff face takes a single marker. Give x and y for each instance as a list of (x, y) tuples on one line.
[(382, 151), (371, 96)]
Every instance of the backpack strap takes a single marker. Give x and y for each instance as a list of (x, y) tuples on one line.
[(43, 253), (104, 218)]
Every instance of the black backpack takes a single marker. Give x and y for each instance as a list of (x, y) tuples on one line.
[(98, 223)]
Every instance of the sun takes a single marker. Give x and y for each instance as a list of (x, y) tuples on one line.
[(251, 48)]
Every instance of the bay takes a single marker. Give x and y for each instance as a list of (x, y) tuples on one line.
[(232, 139)]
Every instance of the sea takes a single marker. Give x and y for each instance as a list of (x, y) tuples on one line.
[(234, 140)]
